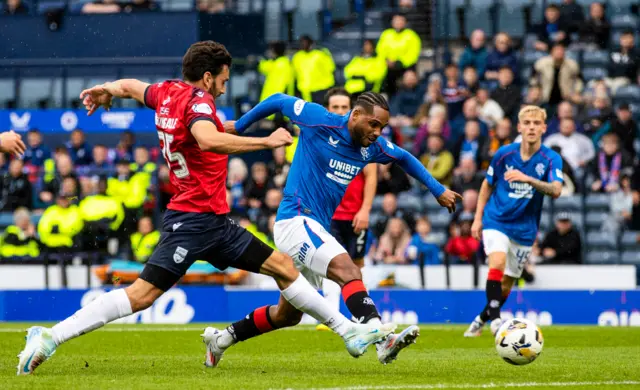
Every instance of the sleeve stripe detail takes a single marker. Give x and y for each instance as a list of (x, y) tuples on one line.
[(200, 118), (146, 91), (320, 125)]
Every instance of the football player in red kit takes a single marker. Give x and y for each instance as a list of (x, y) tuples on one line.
[(196, 225)]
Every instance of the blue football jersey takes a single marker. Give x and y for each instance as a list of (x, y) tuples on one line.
[(325, 162), (515, 208)]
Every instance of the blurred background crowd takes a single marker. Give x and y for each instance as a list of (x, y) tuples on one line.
[(579, 61)]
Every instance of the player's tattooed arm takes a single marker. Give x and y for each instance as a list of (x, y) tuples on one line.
[(552, 189)]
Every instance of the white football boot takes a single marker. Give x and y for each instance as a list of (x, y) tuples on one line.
[(495, 326), (475, 329), (40, 347), (388, 350), (361, 336), (214, 352)]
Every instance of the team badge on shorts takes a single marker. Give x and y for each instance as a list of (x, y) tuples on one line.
[(179, 255)]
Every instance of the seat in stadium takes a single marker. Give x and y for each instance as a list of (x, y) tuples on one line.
[(409, 202), (546, 222), (622, 22), (377, 203), (431, 204), (595, 219), (628, 93), (602, 257), (594, 73), (531, 57), (568, 203), (595, 58), (597, 202), (630, 257), (439, 220), (438, 238), (32, 90), (7, 90), (601, 240), (546, 203), (630, 241)]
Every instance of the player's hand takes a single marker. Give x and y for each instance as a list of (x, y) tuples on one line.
[(11, 142), (95, 97), (360, 221), (516, 175), (278, 138), (448, 199), (476, 229)]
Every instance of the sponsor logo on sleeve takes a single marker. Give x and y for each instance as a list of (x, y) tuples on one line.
[(202, 108), (490, 171), (559, 174), (298, 106)]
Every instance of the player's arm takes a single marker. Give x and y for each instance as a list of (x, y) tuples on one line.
[(361, 219), (483, 197), (552, 186), (389, 152), (211, 140), (101, 95)]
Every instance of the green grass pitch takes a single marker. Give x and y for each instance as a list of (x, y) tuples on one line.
[(171, 357)]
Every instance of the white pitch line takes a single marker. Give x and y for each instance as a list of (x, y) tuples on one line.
[(479, 386)]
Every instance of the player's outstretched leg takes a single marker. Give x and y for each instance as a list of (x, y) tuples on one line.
[(41, 342), (343, 271)]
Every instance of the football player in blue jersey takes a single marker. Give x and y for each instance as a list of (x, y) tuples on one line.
[(509, 209), (332, 150)]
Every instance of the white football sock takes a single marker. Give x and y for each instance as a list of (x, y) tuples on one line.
[(332, 293), (305, 298), (104, 309), (225, 340)]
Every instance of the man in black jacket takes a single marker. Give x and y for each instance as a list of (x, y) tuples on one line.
[(15, 188), (563, 244), (507, 95)]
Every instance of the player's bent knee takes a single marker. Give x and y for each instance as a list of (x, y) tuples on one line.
[(142, 294), (342, 270), (498, 260), (280, 266)]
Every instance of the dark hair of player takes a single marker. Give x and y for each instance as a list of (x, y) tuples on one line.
[(335, 91), (368, 100), (279, 48), (202, 57)]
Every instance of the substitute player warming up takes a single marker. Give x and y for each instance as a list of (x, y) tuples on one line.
[(196, 225), (509, 209)]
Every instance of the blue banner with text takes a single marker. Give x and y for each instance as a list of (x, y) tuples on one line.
[(215, 304)]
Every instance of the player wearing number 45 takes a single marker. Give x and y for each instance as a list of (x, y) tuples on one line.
[(519, 177)]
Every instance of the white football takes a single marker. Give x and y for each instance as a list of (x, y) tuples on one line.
[(519, 341)]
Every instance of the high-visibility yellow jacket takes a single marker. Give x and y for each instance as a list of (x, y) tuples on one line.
[(313, 71), (403, 46), (96, 208), (364, 73), (142, 246), (279, 77), (58, 226), (132, 192), (14, 243)]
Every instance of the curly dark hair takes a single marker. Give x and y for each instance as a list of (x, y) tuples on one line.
[(368, 100), (202, 57)]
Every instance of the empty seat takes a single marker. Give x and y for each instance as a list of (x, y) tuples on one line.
[(568, 203), (546, 203), (595, 58), (597, 202), (630, 257), (601, 240), (431, 203), (438, 238), (594, 73), (602, 257), (629, 92), (595, 219), (377, 203), (409, 202), (545, 221), (439, 220), (532, 56), (630, 240), (621, 22)]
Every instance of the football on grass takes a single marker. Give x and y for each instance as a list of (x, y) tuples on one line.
[(519, 341)]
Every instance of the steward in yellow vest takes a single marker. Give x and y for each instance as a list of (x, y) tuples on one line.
[(19, 240), (365, 72), (144, 241), (313, 70), (60, 224)]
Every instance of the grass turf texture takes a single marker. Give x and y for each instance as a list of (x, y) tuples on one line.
[(162, 357)]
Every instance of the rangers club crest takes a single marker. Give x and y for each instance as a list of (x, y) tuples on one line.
[(365, 153), (540, 169)]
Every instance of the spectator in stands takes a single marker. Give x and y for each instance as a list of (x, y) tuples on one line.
[(595, 117), (279, 167), (559, 77), (15, 188), (563, 244), (499, 137), (365, 72), (277, 70), (404, 105), (569, 180), (469, 203), (626, 128), (390, 210), (438, 161), (566, 110), (211, 6), (552, 31), (470, 145), (454, 91), (533, 96), (624, 63), (595, 32), (393, 243), (129, 188), (100, 167), (102, 215), (400, 47), (475, 53), (60, 225), (503, 56), (271, 202), (19, 239), (166, 189), (620, 208), (139, 6), (236, 178), (15, 7), (257, 186), (421, 246), (508, 95), (436, 124), (313, 69), (432, 98), (490, 111), (392, 179), (470, 112), (577, 148), (466, 176), (124, 149), (79, 150), (36, 152), (64, 169), (144, 240), (610, 165), (463, 247), (471, 79), (571, 15)]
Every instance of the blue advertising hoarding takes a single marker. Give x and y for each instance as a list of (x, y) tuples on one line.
[(215, 304), (61, 121)]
